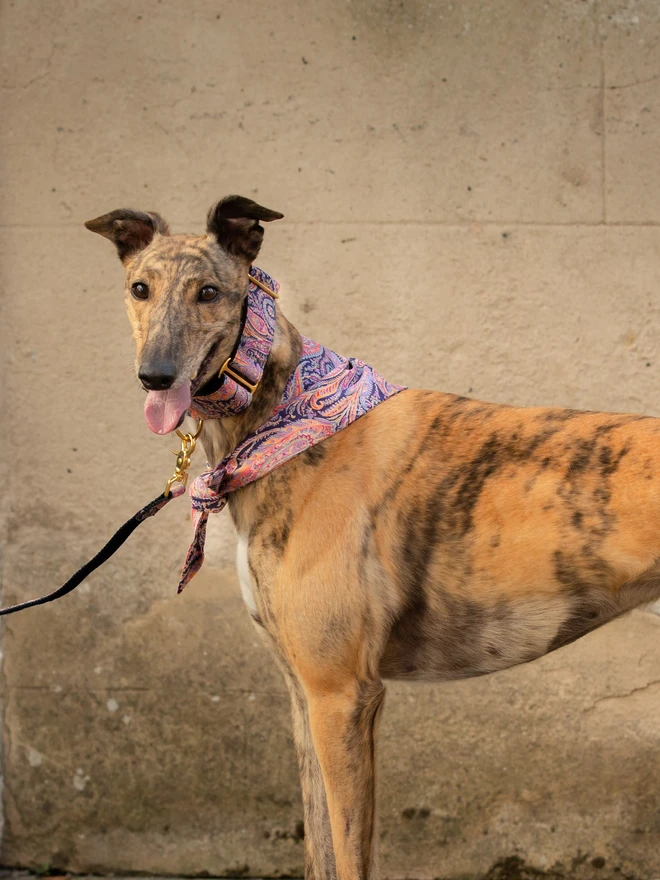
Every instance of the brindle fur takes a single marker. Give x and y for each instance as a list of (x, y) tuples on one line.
[(435, 538)]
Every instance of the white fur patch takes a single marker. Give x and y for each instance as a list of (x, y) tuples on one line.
[(244, 576)]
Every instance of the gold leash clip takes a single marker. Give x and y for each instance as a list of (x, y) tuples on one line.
[(188, 444)]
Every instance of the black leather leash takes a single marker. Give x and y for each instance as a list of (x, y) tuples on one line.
[(123, 533), (120, 536), (188, 443)]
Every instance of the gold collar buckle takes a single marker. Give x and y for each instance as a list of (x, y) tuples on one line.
[(240, 380)]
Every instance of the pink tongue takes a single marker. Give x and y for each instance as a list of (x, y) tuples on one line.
[(163, 409)]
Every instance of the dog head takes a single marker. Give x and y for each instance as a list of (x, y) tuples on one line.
[(184, 296)]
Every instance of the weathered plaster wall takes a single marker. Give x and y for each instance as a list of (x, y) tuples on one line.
[(473, 201)]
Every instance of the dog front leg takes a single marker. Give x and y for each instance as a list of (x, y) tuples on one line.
[(319, 855), (343, 728)]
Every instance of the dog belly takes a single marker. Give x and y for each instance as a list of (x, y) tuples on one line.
[(459, 638), (447, 636)]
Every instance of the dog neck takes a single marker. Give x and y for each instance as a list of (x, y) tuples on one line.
[(221, 436)]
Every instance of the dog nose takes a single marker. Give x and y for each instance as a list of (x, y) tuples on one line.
[(157, 377)]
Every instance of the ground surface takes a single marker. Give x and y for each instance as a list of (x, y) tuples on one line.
[(508, 869)]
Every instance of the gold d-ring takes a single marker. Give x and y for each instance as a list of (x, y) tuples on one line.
[(195, 435)]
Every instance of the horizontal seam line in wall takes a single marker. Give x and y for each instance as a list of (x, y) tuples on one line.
[(220, 692), (466, 224)]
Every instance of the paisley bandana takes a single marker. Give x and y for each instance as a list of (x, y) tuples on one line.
[(325, 393)]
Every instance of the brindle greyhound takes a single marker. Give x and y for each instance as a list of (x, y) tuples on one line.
[(434, 538)]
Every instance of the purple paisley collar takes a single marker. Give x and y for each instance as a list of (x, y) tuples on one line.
[(242, 372), (325, 393)]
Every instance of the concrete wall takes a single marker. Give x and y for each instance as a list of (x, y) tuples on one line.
[(473, 200)]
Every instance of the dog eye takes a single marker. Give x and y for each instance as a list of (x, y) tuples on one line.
[(140, 290), (208, 293)]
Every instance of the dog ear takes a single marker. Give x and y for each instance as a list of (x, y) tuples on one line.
[(130, 231), (234, 221)]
